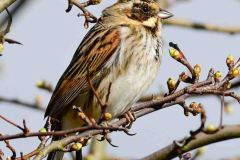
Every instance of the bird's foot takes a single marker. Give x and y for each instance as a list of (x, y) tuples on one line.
[(130, 117)]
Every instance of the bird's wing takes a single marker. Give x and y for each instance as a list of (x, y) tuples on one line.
[(92, 54)]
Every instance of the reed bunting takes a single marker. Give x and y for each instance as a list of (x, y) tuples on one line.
[(124, 49)]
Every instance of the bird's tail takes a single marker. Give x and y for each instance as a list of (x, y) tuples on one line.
[(55, 155), (58, 155)]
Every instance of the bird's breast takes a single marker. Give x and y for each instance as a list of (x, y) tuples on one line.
[(134, 67)]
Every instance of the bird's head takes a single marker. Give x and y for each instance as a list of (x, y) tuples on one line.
[(145, 12)]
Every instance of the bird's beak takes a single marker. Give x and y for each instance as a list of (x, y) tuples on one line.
[(164, 14)]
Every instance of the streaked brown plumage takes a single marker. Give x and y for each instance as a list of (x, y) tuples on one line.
[(123, 48)]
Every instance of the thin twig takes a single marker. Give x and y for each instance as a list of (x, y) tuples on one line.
[(21, 103), (12, 123), (201, 26), (89, 17), (13, 157), (83, 116)]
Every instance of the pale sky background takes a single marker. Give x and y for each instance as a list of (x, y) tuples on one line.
[(50, 37)]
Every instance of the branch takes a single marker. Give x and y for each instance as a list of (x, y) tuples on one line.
[(63, 142), (22, 103), (8, 145), (202, 139), (89, 17), (201, 26), (5, 4), (214, 85)]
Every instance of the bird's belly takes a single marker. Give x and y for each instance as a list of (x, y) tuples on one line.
[(128, 86)]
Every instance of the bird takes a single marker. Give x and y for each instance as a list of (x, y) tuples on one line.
[(122, 50)]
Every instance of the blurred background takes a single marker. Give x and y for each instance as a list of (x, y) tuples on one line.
[(50, 37)]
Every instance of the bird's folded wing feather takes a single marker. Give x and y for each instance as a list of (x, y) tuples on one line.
[(92, 54)]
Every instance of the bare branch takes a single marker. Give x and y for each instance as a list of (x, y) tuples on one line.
[(201, 26), (8, 145), (201, 139), (196, 87), (21, 103), (12, 123), (89, 17)]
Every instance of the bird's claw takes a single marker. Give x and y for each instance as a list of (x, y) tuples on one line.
[(130, 117)]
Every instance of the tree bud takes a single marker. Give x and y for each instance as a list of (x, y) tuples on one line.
[(107, 116), (171, 84)]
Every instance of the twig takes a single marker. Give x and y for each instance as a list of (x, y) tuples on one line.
[(208, 86), (12, 41), (12, 123), (201, 26), (13, 157), (21, 103), (182, 59), (82, 115), (89, 17), (195, 109), (63, 132), (146, 98), (36, 151), (24, 129), (102, 104)]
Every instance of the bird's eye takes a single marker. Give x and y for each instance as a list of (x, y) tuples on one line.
[(145, 8)]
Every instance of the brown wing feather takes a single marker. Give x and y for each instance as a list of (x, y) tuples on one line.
[(94, 54)]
